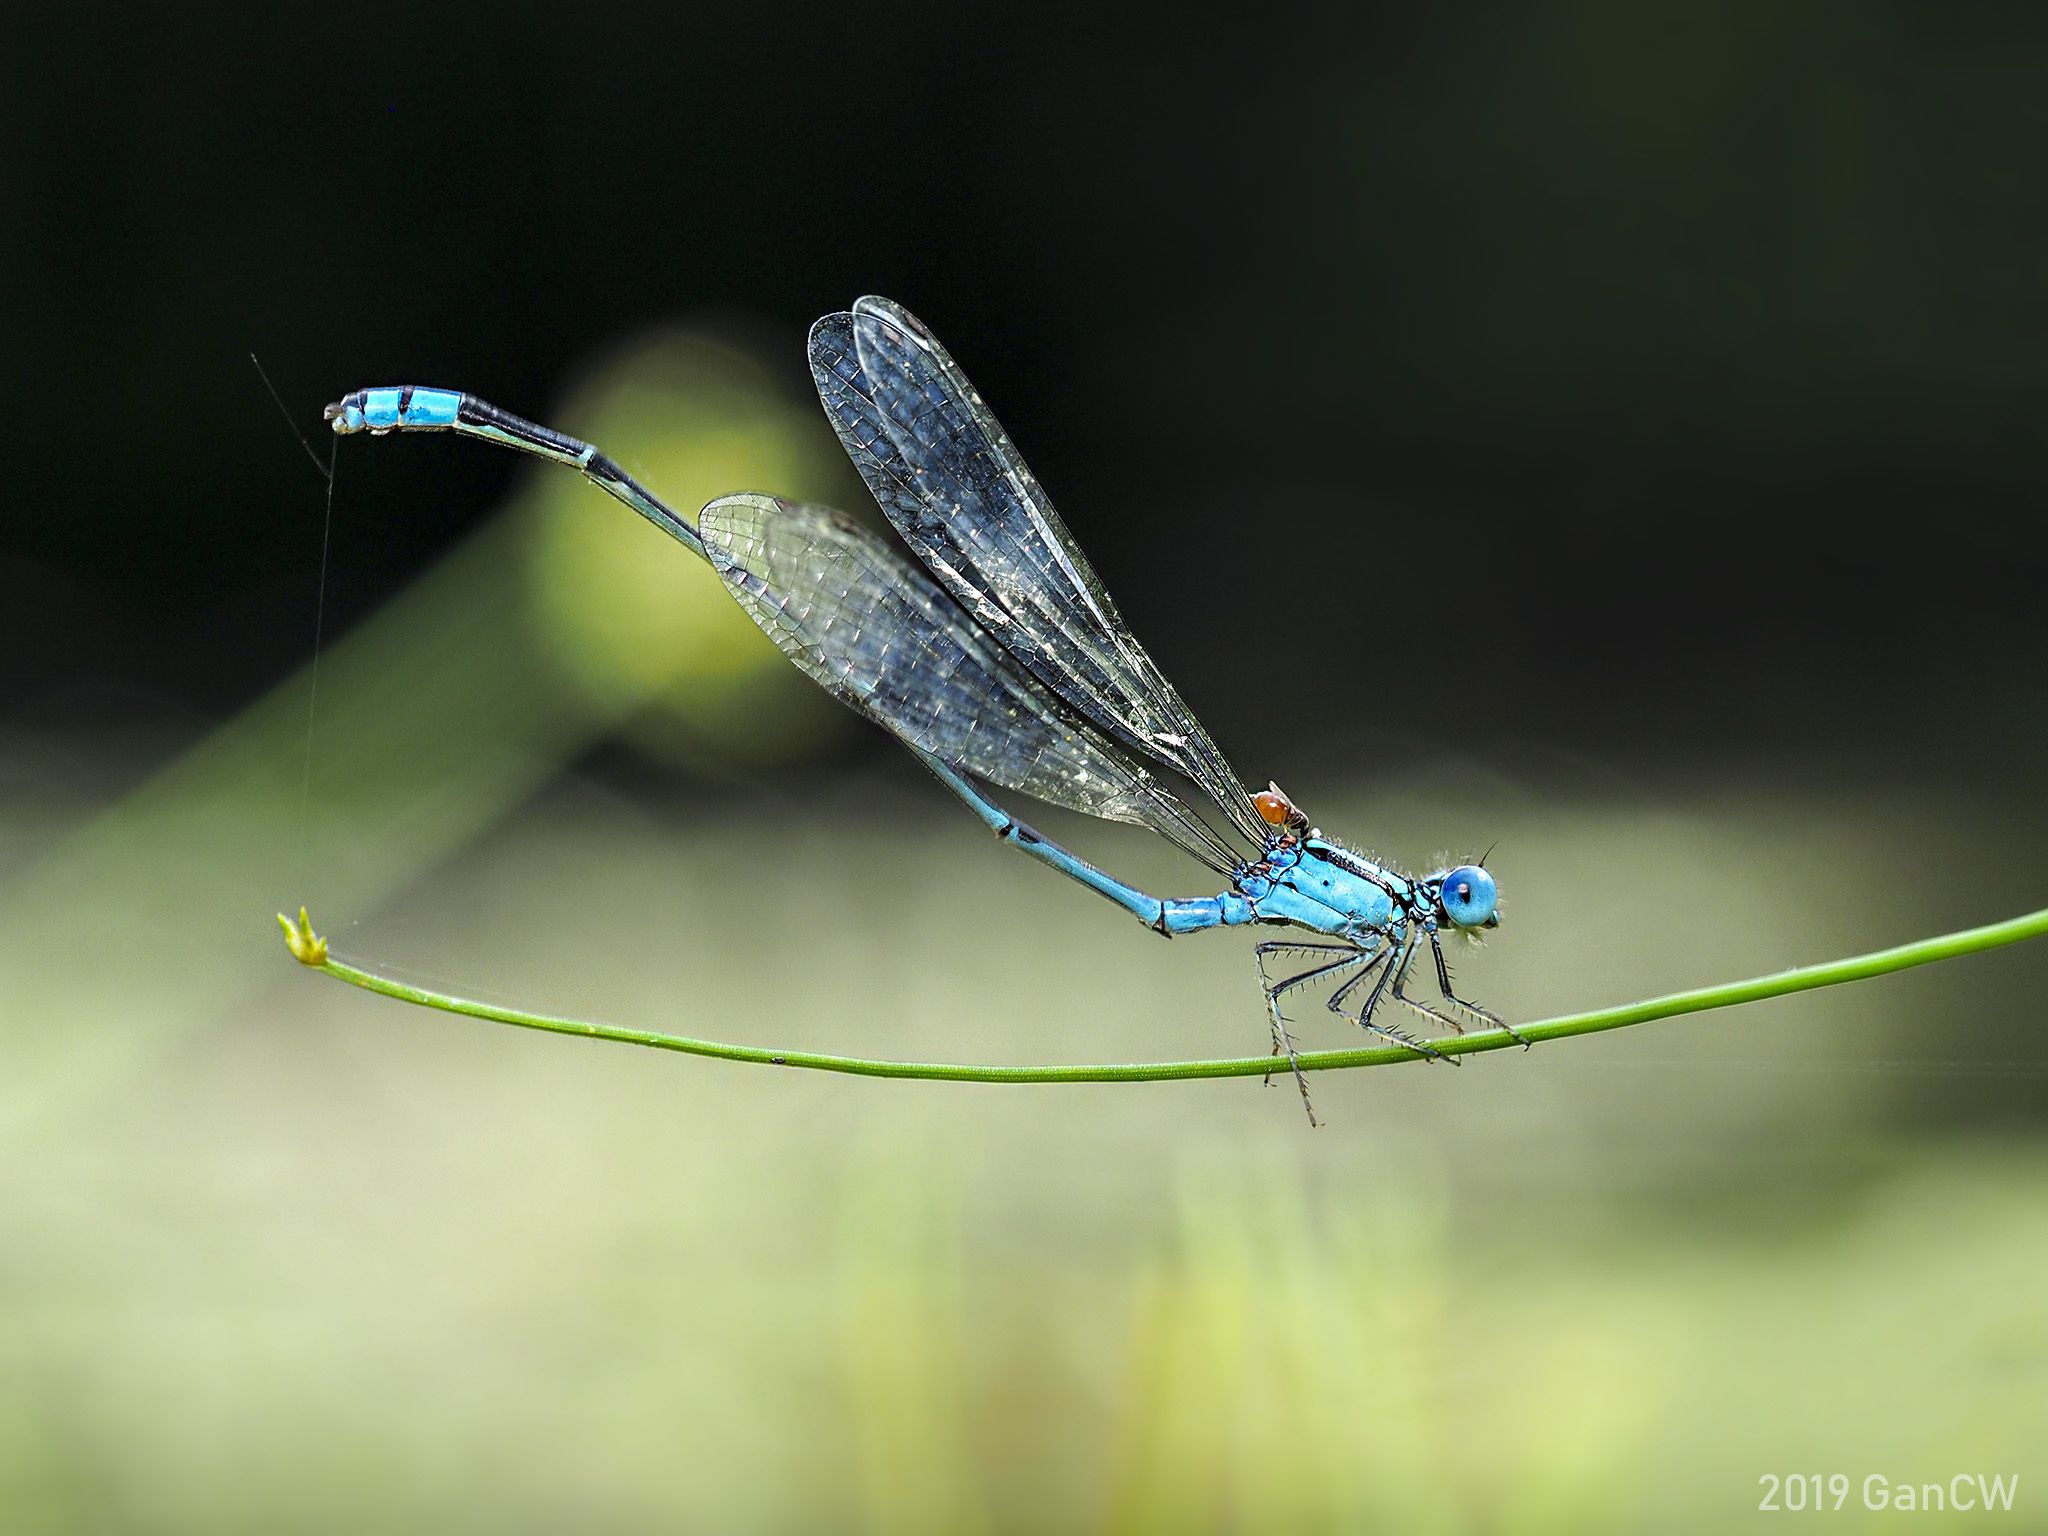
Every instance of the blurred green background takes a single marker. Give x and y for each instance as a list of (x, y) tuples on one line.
[(1698, 354)]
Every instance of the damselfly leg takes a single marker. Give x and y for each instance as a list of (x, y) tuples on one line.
[(1283, 1039), (1389, 961), (1443, 981)]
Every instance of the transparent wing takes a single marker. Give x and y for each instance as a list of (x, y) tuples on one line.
[(879, 634), (957, 490)]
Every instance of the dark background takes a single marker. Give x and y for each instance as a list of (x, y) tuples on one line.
[(1607, 429), (1645, 381)]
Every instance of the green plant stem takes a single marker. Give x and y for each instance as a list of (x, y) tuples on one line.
[(312, 951)]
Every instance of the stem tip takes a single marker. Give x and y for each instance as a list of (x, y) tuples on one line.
[(307, 947)]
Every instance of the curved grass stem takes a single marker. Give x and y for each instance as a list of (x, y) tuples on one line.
[(311, 950)]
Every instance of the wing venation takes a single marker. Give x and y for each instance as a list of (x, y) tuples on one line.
[(956, 489), (880, 635)]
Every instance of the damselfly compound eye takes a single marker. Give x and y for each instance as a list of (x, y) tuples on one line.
[(1469, 896)]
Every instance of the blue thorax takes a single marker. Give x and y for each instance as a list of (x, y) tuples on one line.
[(1325, 886)]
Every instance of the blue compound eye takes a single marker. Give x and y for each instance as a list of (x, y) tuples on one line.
[(1469, 896)]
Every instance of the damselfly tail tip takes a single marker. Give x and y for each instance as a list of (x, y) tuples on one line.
[(343, 417)]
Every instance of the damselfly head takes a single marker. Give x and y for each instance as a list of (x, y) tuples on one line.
[(1469, 897)]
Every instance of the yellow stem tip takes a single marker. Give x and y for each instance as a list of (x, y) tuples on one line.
[(307, 947)]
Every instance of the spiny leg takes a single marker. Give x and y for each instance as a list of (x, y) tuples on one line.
[(1443, 981), (1454, 1025), (1390, 963), (1270, 991), (1282, 1040)]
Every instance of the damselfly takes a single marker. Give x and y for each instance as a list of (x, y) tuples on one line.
[(1012, 668)]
